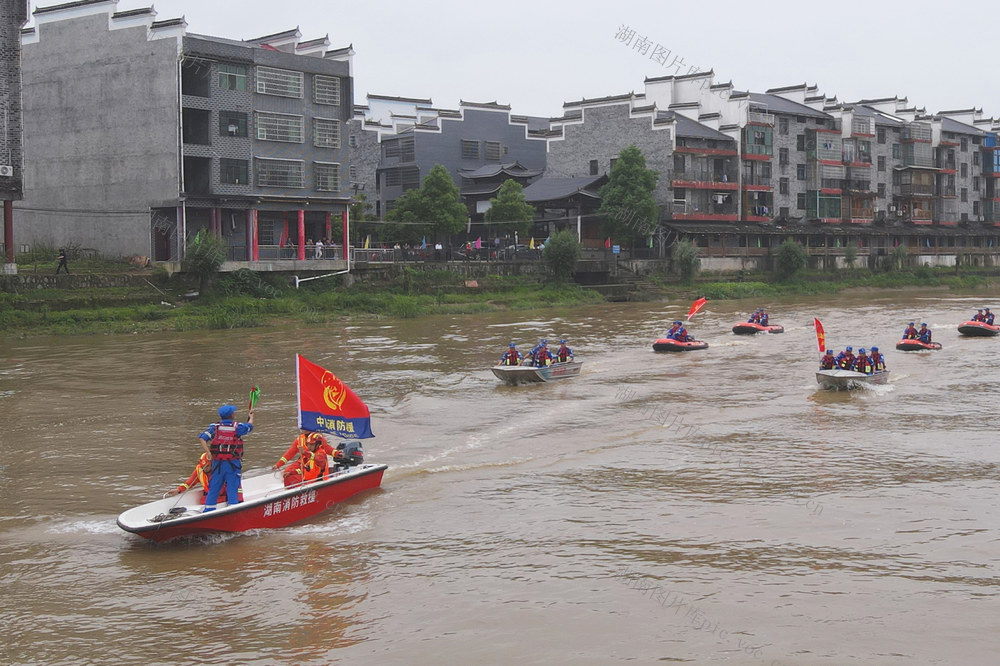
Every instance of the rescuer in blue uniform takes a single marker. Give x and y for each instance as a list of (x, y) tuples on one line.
[(223, 442), (924, 334), (511, 356)]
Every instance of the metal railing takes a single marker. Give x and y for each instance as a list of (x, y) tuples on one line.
[(915, 188), (756, 179), (761, 118), (757, 149), (703, 175)]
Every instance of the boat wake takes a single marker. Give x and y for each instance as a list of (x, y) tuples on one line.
[(103, 526)]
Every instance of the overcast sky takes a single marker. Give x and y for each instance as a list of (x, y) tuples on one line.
[(537, 55)]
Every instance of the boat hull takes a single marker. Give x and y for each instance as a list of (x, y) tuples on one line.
[(525, 374), (751, 328), (267, 504), (917, 345), (668, 345), (978, 329), (848, 379)]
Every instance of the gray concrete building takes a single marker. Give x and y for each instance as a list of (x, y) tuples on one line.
[(139, 133), (13, 15)]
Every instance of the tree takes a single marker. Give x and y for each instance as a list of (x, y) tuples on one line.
[(850, 254), (686, 260), (790, 259), (434, 208), (561, 254), (627, 203), (509, 210), (203, 257), (360, 211)]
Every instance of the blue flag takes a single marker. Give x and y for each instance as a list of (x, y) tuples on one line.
[(423, 244)]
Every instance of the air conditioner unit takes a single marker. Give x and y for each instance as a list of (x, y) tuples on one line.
[(982, 219), (6, 170)]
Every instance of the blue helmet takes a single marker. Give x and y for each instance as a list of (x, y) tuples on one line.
[(924, 324), (512, 345), (562, 342), (544, 341), (678, 322), (829, 351), (912, 324), (850, 349), (227, 411), (874, 349), (861, 351)]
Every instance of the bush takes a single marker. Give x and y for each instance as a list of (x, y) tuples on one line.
[(850, 255), (791, 259), (203, 258), (686, 260), (561, 254)]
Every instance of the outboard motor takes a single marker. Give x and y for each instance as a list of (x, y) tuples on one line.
[(348, 454)]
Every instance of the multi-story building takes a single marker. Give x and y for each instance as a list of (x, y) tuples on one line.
[(13, 14), (138, 133), (414, 136)]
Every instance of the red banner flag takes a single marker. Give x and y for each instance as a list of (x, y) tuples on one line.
[(820, 335), (697, 305), (326, 404)]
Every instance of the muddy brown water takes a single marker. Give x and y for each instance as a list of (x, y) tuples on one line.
[(710, 506)]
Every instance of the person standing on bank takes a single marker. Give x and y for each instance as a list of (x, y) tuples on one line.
[(62, 262), (223, 442)]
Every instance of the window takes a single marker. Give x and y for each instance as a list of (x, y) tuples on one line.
[(965, 145), (783, 126), (406, 150), (783, 212), (800, 119), (881, 162), (800, 172), (800, 201), (232, 123), (327, 176), (390, 148), (492, 150), (800, 142), (881, 190), (880, 135), (352, 172), (975, 184), (280, 82), (326, 133), (975, 159), (895, 151), (783, 156), (613, 160), (234, 172), (965, 194), (964, 170), (975, 208), (470, 150), (783, 186), (280, 127), (393, 178), (326, 90), (232, 77), (280, 173), (352, 141), (593, 167)]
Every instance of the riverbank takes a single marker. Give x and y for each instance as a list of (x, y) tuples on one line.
[(246, 300)]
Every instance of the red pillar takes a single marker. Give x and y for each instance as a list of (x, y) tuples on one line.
[(8, 229), (256, 235), (302, 235), (329, 228), (346, 239), (248, 234)]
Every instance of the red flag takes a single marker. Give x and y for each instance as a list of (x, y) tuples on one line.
[(697, 305), (326, 404), (820, 335), (607, 242)]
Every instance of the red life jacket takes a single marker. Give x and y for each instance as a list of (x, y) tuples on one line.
[(563, 354), (226, 445)]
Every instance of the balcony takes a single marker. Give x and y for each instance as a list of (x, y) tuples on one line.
[(724, 212), (756, 180), (759, 118), (946, 163), (862, 214), (826, 184), (704, 179), (916, 190), (757, 151), (858, 185), (947, 191)]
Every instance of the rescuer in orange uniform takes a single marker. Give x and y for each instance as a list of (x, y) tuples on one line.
[(313, 453), (202, 474)]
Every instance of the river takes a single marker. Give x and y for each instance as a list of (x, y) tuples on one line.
[(699, 507)]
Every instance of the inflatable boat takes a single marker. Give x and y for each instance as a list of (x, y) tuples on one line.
[(978, 329), (752, 328), (849, 379), (671, 345), (917, 345)]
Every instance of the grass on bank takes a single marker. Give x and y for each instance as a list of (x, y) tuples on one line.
[(245, 299)]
